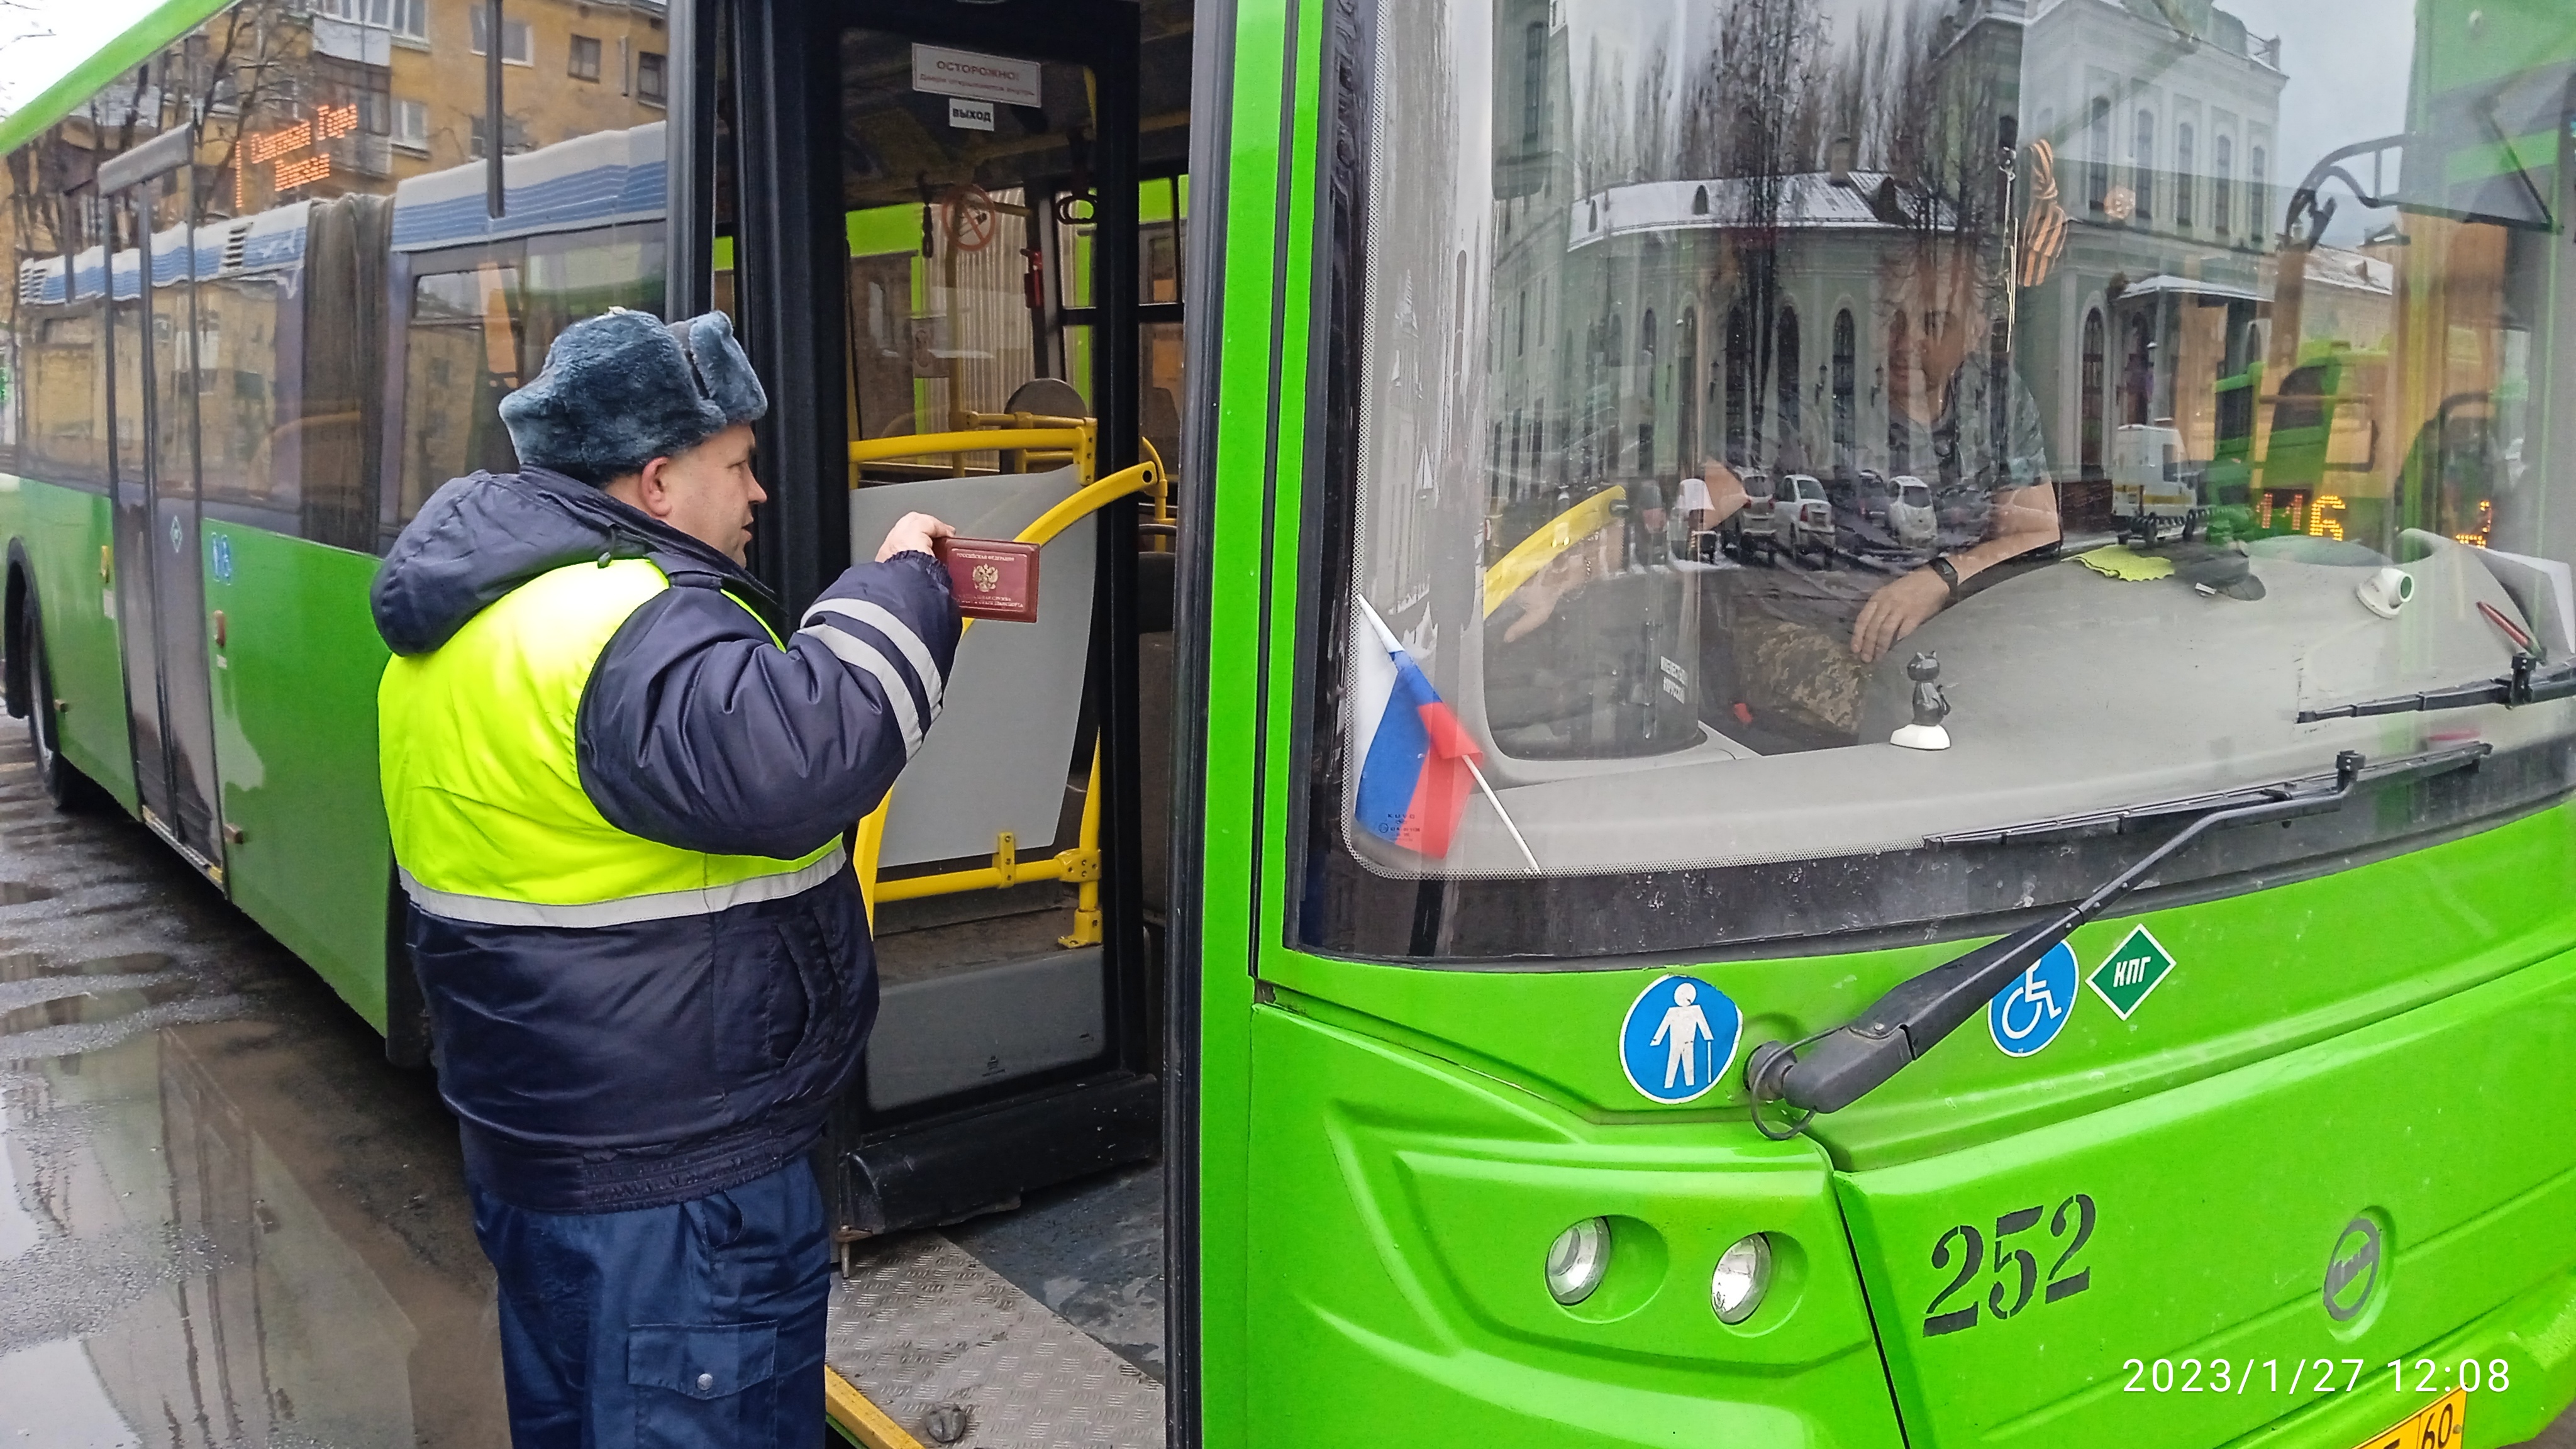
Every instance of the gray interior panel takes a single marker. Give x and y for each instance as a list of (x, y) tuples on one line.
[(998, 758), (971, 1028)]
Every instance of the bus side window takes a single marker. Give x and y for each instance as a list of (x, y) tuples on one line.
[(236, 378), (462, 359), (569, 278), (66, 396)]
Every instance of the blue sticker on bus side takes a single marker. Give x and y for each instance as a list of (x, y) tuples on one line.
[(1679, 1039), (2028, 1014), (223, 550)]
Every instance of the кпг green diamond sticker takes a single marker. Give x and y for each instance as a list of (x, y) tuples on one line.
[(2132, 971)]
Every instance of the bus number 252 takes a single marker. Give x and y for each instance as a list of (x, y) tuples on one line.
[(1962, 1251)]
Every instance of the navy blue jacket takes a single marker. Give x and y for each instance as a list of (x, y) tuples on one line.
[(603, 1068)]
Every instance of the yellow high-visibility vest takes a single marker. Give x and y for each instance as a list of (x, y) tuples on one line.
[(483, 789)]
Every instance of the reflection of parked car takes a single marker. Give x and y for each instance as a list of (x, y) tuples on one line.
[(1802, 519), (1751, 524), (1910, 515), (1871, 496)]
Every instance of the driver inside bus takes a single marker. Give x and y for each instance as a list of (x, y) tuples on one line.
[(1796, 644)]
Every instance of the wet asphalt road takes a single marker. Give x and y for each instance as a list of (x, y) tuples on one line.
[(225, 1221)]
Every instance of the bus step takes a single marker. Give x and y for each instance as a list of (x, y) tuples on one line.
[(950, 1352)]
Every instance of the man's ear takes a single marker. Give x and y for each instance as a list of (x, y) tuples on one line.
[(652, 494)]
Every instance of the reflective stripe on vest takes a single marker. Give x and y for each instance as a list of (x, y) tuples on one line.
[(669, 905), (483, 784)]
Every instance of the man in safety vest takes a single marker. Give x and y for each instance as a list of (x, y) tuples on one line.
[(617, 800)]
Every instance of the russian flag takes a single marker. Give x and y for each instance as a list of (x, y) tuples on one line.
[(1415, 779)]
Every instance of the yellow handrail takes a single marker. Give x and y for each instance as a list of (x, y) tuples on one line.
[(1080, 864), (1090, 496), (911, 445), (1543, 547)]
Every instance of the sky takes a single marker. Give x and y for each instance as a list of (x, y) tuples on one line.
[(30, 62)]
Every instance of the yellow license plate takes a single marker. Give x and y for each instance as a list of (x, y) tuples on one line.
[(2441, 1424)]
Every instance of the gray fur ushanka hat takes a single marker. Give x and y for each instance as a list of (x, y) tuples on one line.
[(623, 389)]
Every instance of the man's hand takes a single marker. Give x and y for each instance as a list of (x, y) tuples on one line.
[(1896, 610), (913, 533)]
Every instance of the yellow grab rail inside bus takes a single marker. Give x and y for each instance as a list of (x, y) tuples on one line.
[(1080, 865), (1549, 542)]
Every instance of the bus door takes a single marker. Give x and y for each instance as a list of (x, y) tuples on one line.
[(159, 574), (988, 189)]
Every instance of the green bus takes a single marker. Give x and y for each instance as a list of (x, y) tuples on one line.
[(1576, 993)]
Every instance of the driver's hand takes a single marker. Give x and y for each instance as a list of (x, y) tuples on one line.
[(913, 533), (1896, 610)]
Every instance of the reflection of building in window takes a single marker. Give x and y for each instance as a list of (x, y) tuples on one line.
[(516, 48), (2222, 188), (1846, 364), (2185, 179), (1900, 395), (2142, 169), (2097, 155), (2089, 444), (411, 125)]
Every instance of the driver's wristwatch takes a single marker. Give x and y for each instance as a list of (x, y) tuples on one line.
[(1949, 574)]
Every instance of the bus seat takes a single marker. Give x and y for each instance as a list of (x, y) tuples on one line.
[(1006, 734)]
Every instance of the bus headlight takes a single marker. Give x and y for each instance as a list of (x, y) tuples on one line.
[(1577, 1260), (1743, 1276)]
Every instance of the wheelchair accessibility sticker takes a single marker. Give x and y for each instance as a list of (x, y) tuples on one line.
[(2028, 1014), (1679, 1039)]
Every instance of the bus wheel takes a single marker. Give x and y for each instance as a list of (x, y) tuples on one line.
[(65, 785)]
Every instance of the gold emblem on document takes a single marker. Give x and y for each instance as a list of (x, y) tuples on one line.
[(986, 577)]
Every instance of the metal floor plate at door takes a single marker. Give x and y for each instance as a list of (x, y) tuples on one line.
[(957, 1355)]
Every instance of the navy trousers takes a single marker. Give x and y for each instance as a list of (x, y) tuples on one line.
[(693, 1326)]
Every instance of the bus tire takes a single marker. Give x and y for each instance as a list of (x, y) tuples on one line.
[(64, 784)]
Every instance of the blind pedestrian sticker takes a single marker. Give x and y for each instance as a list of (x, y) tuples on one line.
[(1679, 1039), (2029, 1013)]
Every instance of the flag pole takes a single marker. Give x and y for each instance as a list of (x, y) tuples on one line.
[(1394, 645), (1507, 819)]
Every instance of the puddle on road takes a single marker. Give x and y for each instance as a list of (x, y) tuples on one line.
[(224, 1220)]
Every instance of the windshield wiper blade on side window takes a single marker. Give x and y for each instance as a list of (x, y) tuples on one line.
[(1837, 1067), (2528, 684)]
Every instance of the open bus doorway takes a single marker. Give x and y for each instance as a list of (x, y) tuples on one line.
[(1006, 208)]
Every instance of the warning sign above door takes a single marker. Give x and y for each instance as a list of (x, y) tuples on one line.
[(944, 72)]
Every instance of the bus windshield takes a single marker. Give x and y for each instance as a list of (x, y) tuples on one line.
[(1790, 438)]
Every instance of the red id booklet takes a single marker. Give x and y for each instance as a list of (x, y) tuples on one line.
[(992, 578)]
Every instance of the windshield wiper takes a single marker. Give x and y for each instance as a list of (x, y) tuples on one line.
[(1835, 1068), (2528, 684)]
